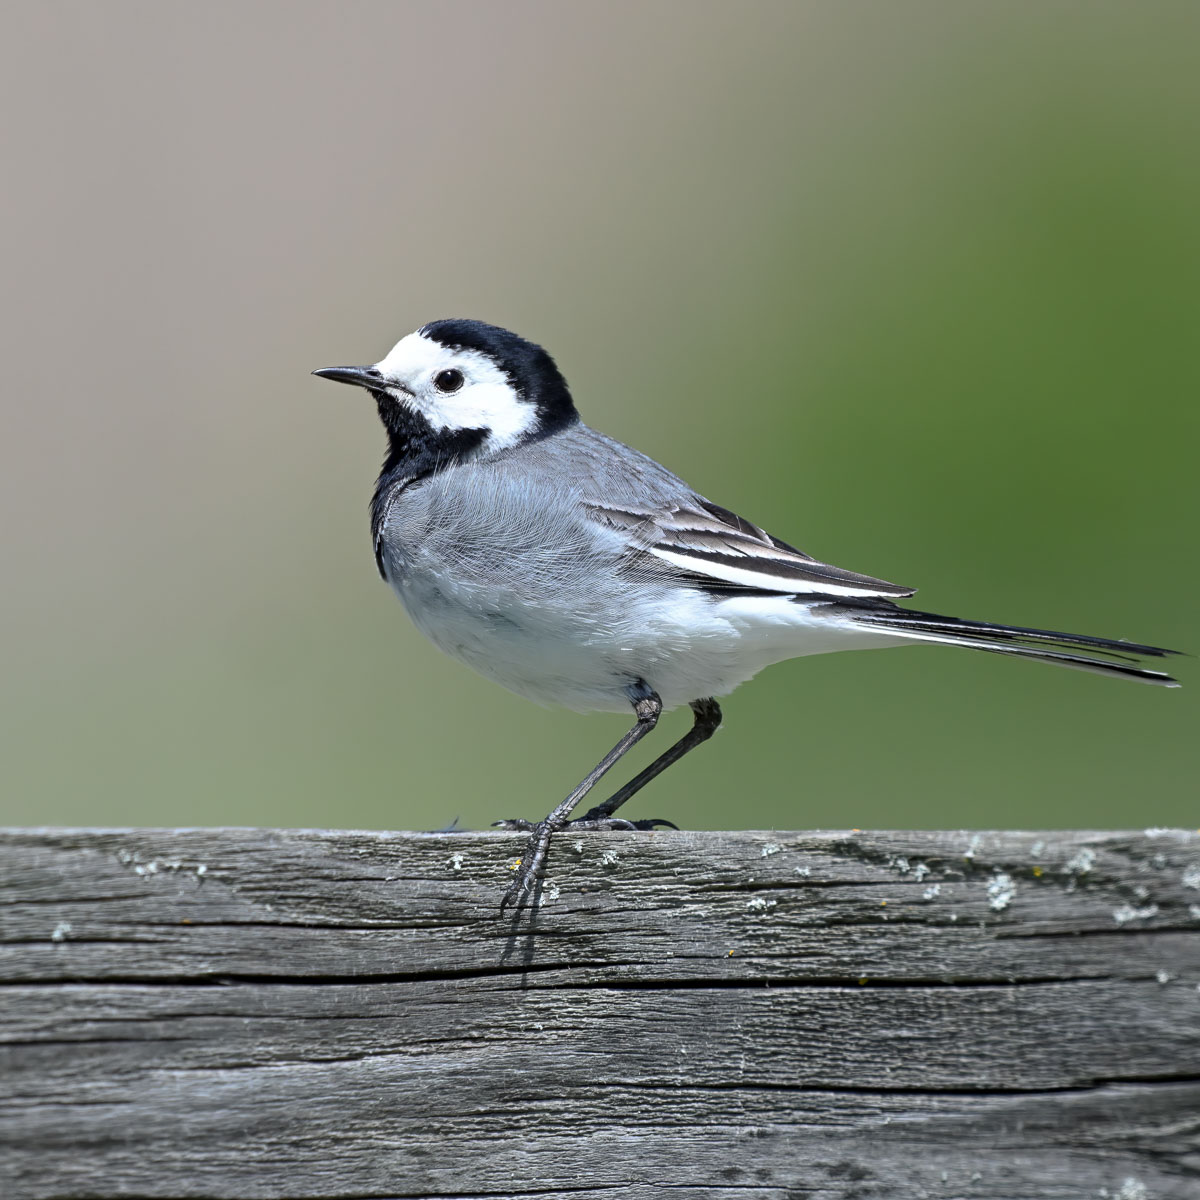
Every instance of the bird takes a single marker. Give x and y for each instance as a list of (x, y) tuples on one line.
[(576, 571)]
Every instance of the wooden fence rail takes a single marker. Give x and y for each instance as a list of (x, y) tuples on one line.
[(267, 1013)]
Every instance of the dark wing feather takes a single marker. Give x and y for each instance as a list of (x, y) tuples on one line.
[(714, 548)]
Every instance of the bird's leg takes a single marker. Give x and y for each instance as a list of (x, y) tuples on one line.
[(647, 706), (708, 719)]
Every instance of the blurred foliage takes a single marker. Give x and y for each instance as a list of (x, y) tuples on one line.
[(914, 286)]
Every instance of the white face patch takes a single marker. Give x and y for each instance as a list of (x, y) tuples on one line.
[(486, 399)]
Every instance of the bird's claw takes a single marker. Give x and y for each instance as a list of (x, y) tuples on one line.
[(588, 822), (644, 825), (528, 866), (517, 889)]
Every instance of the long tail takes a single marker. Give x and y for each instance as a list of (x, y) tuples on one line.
[(1105, 656)]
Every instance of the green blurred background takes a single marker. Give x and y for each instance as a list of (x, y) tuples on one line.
[(916, 286)]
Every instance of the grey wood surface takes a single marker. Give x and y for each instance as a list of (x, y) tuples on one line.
[(266, 1013)]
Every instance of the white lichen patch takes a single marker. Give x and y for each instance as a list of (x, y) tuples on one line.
[(550, 892), (60, 931), (973, 846), (150, 867), (920, 871), (771, 848), (1126, 913), (1194, 911), (1037, 849), (456, 861), (577, 846), (1191, 876), (608, 858), (1001, 890), (804, 871), (1163, 977), (759, 905), (1080, 863), (898, 862), (933, 891)]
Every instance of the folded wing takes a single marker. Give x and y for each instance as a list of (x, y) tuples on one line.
[(713, 548)]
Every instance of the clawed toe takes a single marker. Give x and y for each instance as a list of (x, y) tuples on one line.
[(587, 823), (611, 823), (515, 890), (525, 872), (528, 867), (601, 817)]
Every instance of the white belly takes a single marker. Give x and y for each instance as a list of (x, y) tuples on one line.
[(683, 645)]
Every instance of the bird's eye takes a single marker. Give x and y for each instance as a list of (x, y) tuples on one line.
[(448, 381)]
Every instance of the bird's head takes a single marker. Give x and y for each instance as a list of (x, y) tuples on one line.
[(459, 381)]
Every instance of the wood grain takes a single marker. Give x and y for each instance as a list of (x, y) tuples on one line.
[(267, 1013)]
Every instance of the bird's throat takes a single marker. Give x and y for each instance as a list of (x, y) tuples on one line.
[(415, 447), (416, 450)]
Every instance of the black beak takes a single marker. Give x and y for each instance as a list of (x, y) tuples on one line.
[(364, 377)]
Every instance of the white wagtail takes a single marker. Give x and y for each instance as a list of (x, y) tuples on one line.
[(577, 571)]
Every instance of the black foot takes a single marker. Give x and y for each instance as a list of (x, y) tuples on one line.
[(529, 866), (589, 821)]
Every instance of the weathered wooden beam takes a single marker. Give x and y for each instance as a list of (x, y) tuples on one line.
[(262, 1013)]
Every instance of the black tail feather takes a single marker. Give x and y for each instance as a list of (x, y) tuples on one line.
[(1106, 656)]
